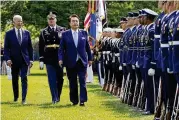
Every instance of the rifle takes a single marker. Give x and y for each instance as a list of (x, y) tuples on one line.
[(159, 101), (175, 111)]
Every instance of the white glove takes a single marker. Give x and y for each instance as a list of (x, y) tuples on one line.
[(168, 71), (120, 67), (124, 64), (41, 65), (133, 67), (151, 72), (137, 64)]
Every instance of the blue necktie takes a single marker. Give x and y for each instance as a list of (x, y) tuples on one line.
[(19, 36), (75, 35)]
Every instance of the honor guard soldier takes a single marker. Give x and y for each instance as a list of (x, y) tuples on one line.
[(175, 59), (172, 44), (161, 98), (49, 41), (148, 57), (135, 55), (140, 60), (100, 47), (103, 57), (129, 43), (109, 59), (118, 73), (166, 57), (106, 53), (112, 61)]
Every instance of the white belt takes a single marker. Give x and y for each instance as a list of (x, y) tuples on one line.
[(117, 54), (157, 36), (164, 45), (107, 52), (153, 63), (174, 43), (104, 52)]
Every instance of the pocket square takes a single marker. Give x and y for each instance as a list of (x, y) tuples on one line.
[(83, 37)]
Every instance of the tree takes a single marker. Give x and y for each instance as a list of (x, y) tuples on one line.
[(34, 13)]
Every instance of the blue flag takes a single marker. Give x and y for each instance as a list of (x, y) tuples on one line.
[(93, 27)]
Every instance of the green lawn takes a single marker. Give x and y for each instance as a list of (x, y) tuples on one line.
[(100, 106)]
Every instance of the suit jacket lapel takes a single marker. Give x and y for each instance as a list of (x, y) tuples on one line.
[(23, 35), (79, 37), (71, 37)]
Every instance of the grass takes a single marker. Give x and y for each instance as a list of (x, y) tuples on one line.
[(100, 105)]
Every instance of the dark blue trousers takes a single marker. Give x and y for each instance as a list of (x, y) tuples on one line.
[(22, 71), (149, 89), (78, 70), (55, 80)]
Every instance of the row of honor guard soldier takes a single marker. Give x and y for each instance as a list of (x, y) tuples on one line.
[(49, 41), (147, 58)]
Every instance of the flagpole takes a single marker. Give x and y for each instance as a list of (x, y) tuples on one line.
[(106, 14)]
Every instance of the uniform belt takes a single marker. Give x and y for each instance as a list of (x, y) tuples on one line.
[(164, 45), (104, 52), (52, 46), (145, 48), (107, 52), (133, 48), (157, 36), (117, 54), (153, 63), (174, 43)]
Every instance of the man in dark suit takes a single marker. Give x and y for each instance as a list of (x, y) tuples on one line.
[(49, 41), (75, 54), (18, 53)]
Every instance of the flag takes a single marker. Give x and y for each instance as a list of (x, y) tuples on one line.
[(87, 21), (100, 15), (104, 21), (96, 18), (92, 31), (88, 17)]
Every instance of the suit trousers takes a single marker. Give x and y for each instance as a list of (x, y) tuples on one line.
[(78, 70), (22, 71), (55, 80)]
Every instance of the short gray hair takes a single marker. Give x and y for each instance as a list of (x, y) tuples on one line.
[(16, 17)]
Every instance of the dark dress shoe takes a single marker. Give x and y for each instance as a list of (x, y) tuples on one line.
[(75, 104), (15, 99), (82, 104)]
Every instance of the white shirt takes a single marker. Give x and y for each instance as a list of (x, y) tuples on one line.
[(55, 27), (16, 30)]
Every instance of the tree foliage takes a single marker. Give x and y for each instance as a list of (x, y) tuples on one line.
[(35, 12)]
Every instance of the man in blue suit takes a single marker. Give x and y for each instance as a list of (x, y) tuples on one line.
[(75, 54), (18, 53)]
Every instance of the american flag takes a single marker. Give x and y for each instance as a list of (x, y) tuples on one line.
[(88, 17)]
